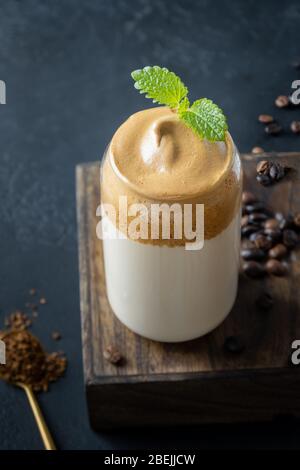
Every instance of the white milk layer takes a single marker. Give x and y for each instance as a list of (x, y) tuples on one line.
[(169, 293)]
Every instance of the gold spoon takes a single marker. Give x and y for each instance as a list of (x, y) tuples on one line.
[(36, 410), (39, 418)]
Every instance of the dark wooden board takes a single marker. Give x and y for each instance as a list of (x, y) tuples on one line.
[(195, 381)]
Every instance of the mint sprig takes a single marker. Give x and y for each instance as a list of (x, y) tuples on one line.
[(204, 117)]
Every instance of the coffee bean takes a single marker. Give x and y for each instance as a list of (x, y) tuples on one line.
[(279, 216), (276, 171), (265, 302), (263, 242), (297, 220), (244, 221), (234, 345), (253, 269), (248, 197), (273, 129), (246, 244), (257, 150), (275, 267), (282, 101), (265, 118), (295, 127), (271, 224), (262, 167), (253, 254), (265, 180), (249, 229), (257, 217), (278, 251), (290, 238), (273, 234), (254, 235), (286, 222), (113, 355), (257, 207)]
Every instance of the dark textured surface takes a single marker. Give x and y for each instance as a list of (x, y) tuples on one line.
[(66, 65)]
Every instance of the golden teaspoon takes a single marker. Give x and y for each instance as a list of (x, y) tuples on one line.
[(39, 418), (40, 421)]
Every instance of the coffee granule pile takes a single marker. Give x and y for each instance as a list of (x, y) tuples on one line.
[(26, 360)]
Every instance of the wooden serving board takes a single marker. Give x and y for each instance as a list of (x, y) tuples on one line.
[(195, 381)]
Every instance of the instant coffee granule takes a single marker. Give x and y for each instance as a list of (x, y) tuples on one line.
[(26, 360)]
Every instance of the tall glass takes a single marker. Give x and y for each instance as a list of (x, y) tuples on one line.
[(164, 291)]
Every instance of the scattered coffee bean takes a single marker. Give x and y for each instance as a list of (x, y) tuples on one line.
[(286, 222), (255, 235), (244, 221), (248, 197), (267, 236), (275, 267), (273, 170), (246, 244), (262, 242), (255, 254), (271, 224), (290, 238), (282, 101), (234, 345), (276, 171), (265, 301), (273, 234), (279, 216), (273, 129), (265, 180), (257, 150), (295, 127), (253, 269), (278, 251), (257, 207), (262, 167), (297, 220), (113, 355), (257, 217), (265, 118), (249, 229)]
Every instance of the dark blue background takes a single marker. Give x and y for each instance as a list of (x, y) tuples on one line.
[(67, 68)]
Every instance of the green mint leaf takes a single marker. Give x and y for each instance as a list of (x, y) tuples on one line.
[(206, 119), (162, 86), (183, 105)]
